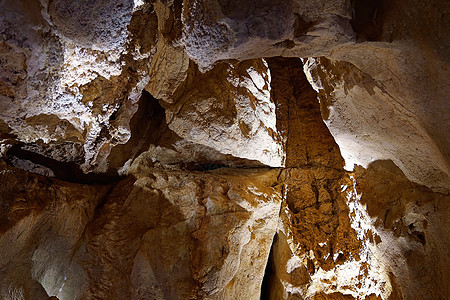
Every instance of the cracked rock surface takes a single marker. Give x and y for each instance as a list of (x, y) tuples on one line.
[(220, 149)]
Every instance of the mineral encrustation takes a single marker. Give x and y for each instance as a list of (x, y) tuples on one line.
[(223, 149)]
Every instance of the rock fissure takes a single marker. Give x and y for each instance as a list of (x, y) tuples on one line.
[(66, 171)]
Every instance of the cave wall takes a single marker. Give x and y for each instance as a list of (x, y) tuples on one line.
[(207, 149)]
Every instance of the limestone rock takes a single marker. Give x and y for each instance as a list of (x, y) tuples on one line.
[(70, 75), (215, 240), (215, 30), (305, 137), (152, 125), (170, 64), (229, 109), (315, 237), (174, 234), (411, 228), (97, 25), (41, 223), (385, 97), (399, 131)]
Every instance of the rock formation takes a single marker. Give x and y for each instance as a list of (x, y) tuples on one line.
[(219, 149)]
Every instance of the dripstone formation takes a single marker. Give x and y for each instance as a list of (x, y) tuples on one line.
[(222, 149)]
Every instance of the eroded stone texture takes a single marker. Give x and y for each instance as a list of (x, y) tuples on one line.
[(402, 248), (181, 99), (229, 109), (215, 30), (315, 234), (403, 68), (399, 129), (306, 138), (164, 234), (99, 25), (96, 78), (411, 228), (387, 94), (41, 222), (213, 235), (73, 83), (169, 67)]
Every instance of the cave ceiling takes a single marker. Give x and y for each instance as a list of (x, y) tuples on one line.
[(222, 149)]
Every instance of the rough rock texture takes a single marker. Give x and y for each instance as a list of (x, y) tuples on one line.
[(174, 234), (206, 149), (229, 109), (223, 226), (215, 30), (78, 77), (397, 66), (411, 225), (386, 96), (316, 248), (94, 79), (42, 221), (404, 131)]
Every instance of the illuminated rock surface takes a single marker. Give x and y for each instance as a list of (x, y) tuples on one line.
[(212, 149)]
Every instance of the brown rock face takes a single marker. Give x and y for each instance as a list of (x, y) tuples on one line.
[(221, 149), (42, 221), (343, 84), (315, 204), (316, 232), (175, 234), (412, 225), (308, 141)]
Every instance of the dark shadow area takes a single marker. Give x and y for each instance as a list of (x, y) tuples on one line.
[(208, 167), (367, 19), (66, 171), (268, 274), (147, 126)]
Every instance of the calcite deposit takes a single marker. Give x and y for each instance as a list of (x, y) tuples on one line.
[(222, 149)]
